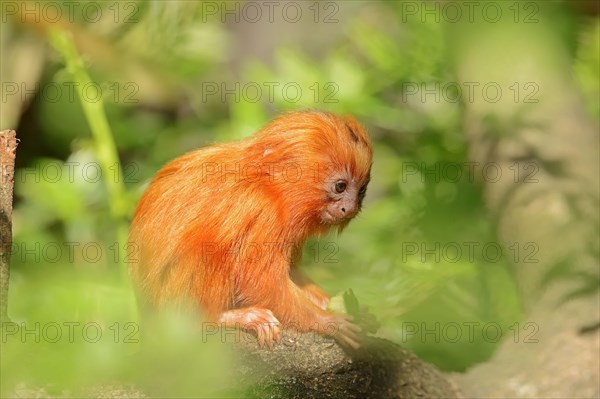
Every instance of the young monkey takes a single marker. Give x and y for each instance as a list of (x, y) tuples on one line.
[(223, 226)]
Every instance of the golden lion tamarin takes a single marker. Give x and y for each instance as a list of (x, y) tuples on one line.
[(223, 226)]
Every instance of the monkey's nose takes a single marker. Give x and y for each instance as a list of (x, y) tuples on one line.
[(348, 211)]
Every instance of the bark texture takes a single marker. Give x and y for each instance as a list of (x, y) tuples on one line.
[(311, 366), (8, 148)]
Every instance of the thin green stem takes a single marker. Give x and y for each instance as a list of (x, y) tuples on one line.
[(105, 148), (104, 145)]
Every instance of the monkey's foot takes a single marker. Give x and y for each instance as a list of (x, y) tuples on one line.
[(259, 321)]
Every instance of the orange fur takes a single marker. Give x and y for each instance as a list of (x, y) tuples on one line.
[(221, 225)]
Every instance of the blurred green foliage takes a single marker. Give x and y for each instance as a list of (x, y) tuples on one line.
[(399, 256)]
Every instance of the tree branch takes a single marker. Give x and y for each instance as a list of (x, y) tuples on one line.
[(8, 148)]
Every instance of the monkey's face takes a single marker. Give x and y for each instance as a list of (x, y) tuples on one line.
[(344, 199)]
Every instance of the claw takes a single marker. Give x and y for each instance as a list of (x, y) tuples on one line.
[(257, 320)]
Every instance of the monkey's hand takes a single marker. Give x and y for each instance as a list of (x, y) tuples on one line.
[(341, 328), (259, 321)]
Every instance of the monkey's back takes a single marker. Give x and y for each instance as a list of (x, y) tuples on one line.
[(189, 226)]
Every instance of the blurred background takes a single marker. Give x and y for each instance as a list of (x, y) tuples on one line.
[(484, 117)]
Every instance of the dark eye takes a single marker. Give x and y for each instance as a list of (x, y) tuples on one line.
[(340, 187)]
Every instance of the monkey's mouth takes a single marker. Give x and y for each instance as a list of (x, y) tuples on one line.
[(328, 218)]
